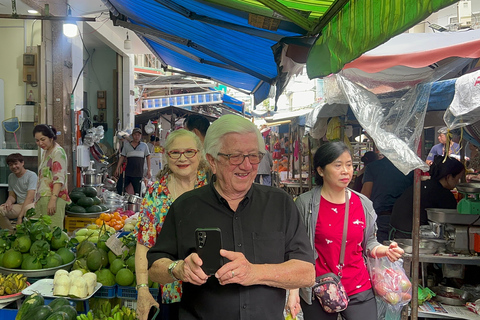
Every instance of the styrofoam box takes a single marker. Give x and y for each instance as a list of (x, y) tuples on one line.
[(24, 113)]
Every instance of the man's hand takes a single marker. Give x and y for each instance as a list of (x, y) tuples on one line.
[(190, 270), (8, 205), (238, 270), (293, 303)]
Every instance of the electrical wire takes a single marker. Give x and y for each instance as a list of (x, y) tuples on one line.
[(84, 65)]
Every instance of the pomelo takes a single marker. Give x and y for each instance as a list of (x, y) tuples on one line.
[(124, 277), (31, 263), (84, 248), (59, 242), (116, 265), (53, 260), (23, 243), (12, 259), (105, 277), (94, 260), (66, 254), (130, 262)]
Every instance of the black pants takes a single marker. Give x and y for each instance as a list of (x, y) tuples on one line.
[(136, 184), (362, 306), (168, 311)]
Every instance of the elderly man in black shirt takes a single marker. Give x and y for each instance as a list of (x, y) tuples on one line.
[(265, 245)]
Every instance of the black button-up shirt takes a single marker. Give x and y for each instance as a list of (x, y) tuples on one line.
[(266, 228)]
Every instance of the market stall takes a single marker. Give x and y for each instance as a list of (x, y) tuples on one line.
[(390, 103), (290, 151)]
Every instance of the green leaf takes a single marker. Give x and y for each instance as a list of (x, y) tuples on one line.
[(57, 232), (30, 213)]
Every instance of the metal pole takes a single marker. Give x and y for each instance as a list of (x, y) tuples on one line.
[(416, 236)]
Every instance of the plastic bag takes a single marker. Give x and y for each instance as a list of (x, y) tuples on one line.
[(334, 127), (390, 282)]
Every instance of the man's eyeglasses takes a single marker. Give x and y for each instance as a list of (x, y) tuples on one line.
[(176, 154), (237, 159)]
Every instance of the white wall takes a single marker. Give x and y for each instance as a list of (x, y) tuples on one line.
[(16, 35)]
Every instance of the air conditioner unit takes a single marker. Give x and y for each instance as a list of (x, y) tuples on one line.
[(464, 13)]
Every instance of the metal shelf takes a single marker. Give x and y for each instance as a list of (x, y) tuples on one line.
[(446, 258)]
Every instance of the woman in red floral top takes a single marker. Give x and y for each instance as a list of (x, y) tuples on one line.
[(185, 170)]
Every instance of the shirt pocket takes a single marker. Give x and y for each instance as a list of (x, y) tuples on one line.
[(269, 247)]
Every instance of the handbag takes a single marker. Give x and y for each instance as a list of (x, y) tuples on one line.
[(328, 288)]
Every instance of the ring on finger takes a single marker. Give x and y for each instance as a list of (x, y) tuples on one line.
[(233, 274)]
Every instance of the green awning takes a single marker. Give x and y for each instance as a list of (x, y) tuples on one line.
[(362, 25)]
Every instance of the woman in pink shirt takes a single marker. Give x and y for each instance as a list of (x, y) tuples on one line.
[(323, 211)]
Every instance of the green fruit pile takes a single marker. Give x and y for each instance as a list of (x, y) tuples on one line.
[(104, 311), (110, 269), (34, 307), (85, 200), (35, 245)]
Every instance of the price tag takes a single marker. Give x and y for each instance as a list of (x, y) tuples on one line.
[(116, 245)]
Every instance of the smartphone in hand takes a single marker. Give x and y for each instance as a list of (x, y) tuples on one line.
[(153, 313), (208, 244)]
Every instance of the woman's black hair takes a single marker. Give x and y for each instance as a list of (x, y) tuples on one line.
[(441, 168), (326, 154), (47, 130)]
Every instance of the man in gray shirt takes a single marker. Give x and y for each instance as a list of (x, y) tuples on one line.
[(22, 184)]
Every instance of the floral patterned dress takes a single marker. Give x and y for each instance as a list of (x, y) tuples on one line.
[(53, 169), (154, 209)]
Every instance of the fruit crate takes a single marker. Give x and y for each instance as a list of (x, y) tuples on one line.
[(130, 293), (8, 314), (74, 223), (107, 292)]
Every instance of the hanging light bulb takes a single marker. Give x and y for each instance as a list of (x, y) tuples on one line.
[(127, 44), (70, 28)]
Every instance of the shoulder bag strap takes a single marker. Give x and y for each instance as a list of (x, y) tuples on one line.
[(344, 238)]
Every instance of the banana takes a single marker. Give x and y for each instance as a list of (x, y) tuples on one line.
[(8, 290)]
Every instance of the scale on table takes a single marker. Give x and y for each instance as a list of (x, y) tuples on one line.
[(470, 204)]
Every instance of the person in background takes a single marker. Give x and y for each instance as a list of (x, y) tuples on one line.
[(439, 149), (445, 174), (198, 124), (367, 158), (323, 212), (383, 183), (22, 184), (264, 173), (135, 152), (151, 143), (52, 193), (265, 246), (184, 171)]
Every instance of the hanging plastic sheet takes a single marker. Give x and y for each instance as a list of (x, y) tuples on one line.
[(316, 121), (465, 107), (394, 118)]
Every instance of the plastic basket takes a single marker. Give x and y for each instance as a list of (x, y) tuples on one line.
[(106, 292), (74, 223), (130, 293)]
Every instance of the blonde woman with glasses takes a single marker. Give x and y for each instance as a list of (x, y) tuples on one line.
[(184, 171)]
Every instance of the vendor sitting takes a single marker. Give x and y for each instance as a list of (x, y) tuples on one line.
[(22, 184), (445, 174)]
